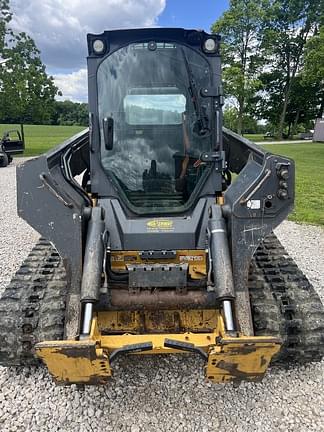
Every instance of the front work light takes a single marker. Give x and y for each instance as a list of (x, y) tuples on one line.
[(210, 45), (98, 46)]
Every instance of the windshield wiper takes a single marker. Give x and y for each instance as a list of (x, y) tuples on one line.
[(202, 119)]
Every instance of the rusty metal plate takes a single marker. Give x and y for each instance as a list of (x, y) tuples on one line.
[(75, 361), (241, 359)]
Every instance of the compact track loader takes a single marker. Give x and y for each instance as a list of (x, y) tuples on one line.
[(158, 225)]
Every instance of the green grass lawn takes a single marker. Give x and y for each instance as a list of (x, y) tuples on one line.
[(254, 137), (40, 138), (309, 160), (260, 137)]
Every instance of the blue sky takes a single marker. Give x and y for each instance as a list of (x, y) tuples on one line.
[(59, 28), (192, 13)]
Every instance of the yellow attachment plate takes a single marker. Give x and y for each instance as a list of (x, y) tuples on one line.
[(196, 260), (87, 361), (75, 361), (241, 359)]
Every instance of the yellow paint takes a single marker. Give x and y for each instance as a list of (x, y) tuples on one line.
[(229, 358), (112, 342), (202, 340), (94, 201), (238, 359), (196, 260), (75, 361), (157, 321), (160, 224), (220, 200)]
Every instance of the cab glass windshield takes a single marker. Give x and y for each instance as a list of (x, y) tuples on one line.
[(159, 124)]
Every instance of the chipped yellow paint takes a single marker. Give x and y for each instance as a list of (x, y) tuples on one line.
[(112, 342), (112, 322), (239, 359), (75, 361), (87, 361)]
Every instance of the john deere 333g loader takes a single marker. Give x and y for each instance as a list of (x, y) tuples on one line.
[(162, 225)]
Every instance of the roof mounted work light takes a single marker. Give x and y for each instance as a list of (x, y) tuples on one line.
[(98, 46), (210, 46)]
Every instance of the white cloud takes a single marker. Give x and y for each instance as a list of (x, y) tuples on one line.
[(74, 86), (59, 27)]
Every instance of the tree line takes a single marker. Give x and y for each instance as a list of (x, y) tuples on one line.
[(63, 113), (27, 93), (273, 64), (273, 70)]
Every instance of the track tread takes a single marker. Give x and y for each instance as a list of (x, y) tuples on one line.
[(32, 307), (285, 304)]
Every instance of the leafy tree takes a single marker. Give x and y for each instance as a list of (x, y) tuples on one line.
[(5, 17), (70, 113), (303, 103), (313, 72), (305, 96), (230, 118), (314, 58), (289, 26), (27, 93), (241, 30), (230, 121)]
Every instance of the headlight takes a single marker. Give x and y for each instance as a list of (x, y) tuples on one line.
[(210, 46), (98, 46)]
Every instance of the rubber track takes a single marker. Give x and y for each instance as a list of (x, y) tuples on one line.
[(32, 307), (285, 304)]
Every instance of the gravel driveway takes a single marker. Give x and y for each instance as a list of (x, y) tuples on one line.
[(165, 393)]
